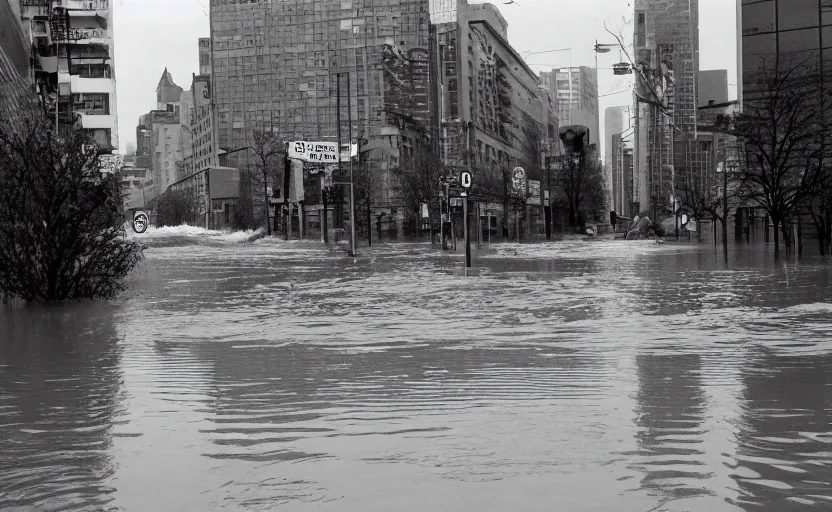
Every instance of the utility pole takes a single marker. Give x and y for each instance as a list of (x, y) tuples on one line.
[(349, 153)]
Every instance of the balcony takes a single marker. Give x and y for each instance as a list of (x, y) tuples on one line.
[(86, 36), (85, 5)]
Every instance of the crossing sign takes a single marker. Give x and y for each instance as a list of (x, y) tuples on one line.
[(465, 179)]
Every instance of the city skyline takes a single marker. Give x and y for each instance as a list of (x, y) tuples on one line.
[(179, 25)]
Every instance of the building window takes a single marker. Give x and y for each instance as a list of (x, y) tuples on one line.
[(92, 103), (91, 70)]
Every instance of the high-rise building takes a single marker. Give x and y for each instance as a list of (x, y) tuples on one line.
[(74, 70), (621, 167), (712, 87), (667, 60), (577, 99), (616, 120), (786, 34), (489, 100), (278, 66)]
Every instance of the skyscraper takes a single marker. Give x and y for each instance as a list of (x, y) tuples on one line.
[(779, 33), (616, 120), (277, 66), (667, 60)]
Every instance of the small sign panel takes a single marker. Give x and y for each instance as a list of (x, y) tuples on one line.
[(140, 222), (465, 179), (315, 152)]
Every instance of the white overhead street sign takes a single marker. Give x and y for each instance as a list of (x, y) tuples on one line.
[(315, 152)]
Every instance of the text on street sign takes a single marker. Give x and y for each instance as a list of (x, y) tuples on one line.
[(319, 152)]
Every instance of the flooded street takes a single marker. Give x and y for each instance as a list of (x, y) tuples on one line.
[(567, 376)]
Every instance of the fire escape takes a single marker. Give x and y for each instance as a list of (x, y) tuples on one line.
[(59, 33)]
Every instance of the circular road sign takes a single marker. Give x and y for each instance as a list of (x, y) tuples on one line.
[(140, 222)]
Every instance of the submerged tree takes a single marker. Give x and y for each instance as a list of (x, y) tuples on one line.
[(784, 138), (61, 218), (175, 208), (580, 185), (268, 149)]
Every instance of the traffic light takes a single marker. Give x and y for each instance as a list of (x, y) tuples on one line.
[(575, 138)]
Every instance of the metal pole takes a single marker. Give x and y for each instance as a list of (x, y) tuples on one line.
[(338, 129), (467, 235), (349, 153)]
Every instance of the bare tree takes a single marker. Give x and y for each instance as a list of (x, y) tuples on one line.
[(705, 199), (580, 185), (819, 206), (61, 217), (783, 136), (268, 148), (177, 207), (419, 178)]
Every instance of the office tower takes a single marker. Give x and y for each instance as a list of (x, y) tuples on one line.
[(712, 87), (276, 66), (616, 120), (785, 34), (667, 60)]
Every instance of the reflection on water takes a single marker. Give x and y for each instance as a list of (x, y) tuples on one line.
[(785, 443), (582, 376), (59, 397)]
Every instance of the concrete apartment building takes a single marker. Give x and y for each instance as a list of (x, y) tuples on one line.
[(667, 57), (616, 120), (487, 94), (73, 70), (712, 88)]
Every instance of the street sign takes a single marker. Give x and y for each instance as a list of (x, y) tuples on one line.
[(140, 222), (518, 180), (317, 152), (465, 179)]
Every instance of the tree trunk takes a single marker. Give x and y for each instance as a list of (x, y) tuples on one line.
[(775, 223), (724, 221), (799, 237), (786, 227)]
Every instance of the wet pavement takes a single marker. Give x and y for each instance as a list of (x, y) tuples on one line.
[(574, 376)]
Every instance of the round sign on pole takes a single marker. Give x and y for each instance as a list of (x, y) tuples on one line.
[(465, 179), (140, 222)]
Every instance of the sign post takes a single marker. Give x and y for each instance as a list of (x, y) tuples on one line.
[(465, 181)]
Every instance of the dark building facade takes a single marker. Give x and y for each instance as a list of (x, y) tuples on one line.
[(784, 33)]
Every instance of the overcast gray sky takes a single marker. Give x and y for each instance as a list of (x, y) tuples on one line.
[(153, 34)]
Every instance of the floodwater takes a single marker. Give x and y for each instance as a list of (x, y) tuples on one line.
[(569, 376)]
